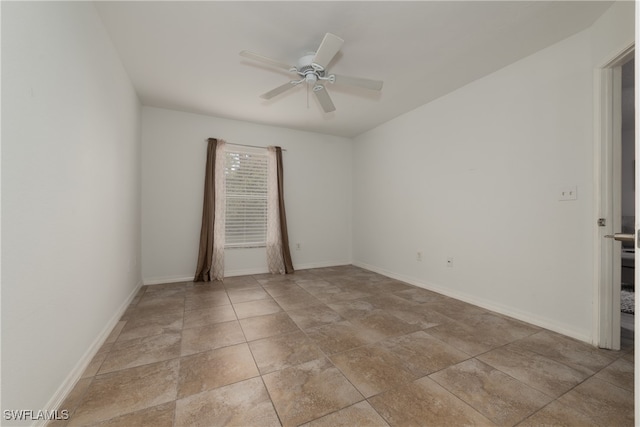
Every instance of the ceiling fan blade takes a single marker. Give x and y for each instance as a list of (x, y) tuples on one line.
[(358, 81), (330, 45), (280, 89), (266, 60), (324, 99)]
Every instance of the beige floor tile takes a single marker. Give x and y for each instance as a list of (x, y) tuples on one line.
[(420, 316), (341, 336), (195, 340), (360, 414), (270, 279), (481, 332), (491, 392), (384, 324), (141, 291), (296, 300), (208, 316), (420, 357), (390, 301), (465, 337), (164, 291), (244, 295), (372, 369), (76, 395), (325, 291), (578, 355), (206, 300), (352, 309), (143, 326), (105, 348), (619, 373), (419, 295), (366, 287), (391, 285), (343, 295), (602, 401), (256, 308), (216, 368), (130, 390), (501, 328), (317, 315), (113, 336), (94, 366), (281, 288), (157, 416), (242, 404), (314, 285), (267, 326), (141, 351), (283, 351), (200, 288), (308, 391), (422, 354), (343, 281), (240, 282), (544, 374), (453, 308), (131, 309), (153, 305), (425, 403), (168, 286), (557, 414)]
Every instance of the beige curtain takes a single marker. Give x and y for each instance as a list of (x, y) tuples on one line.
[(278, 253), (210, 256)]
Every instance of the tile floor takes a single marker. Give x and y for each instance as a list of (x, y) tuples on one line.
[(340, 346)]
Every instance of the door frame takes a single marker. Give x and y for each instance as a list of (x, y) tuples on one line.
[(607, 196)]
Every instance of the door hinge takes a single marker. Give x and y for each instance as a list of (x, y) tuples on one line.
[(602, 222)]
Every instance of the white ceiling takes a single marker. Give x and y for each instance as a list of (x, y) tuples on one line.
[(184, 55)]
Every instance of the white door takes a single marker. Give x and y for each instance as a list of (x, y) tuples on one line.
[(612, 221)]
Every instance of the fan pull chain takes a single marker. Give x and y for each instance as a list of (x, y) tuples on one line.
[(307, 96)]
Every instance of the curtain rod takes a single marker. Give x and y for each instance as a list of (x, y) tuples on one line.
[(247, 145)]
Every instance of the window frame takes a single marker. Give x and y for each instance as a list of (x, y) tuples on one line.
[(260, 154)]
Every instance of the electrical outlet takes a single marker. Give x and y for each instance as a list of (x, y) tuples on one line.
[(419, 256), (568, 193), (450, 262)]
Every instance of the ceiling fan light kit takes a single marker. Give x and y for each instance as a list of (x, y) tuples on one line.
[(311, 68)]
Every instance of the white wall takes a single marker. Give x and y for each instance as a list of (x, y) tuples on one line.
[(70, 196), (476, 176), (317, 182)]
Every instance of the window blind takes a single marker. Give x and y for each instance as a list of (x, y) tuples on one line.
[(246, 204)]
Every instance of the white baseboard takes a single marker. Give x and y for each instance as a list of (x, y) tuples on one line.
[(311, 265), (480, 302), (70, 381), (242, 272)]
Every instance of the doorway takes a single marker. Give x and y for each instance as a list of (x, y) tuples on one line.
[(627, 199), (615, 198)]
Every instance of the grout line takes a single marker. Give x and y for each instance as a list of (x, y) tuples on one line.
[(334, 280)]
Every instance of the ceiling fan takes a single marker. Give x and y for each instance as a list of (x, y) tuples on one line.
[(311, 68)]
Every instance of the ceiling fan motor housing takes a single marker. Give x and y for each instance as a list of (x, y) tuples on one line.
[(307, 70)]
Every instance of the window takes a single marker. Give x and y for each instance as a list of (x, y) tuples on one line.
[(246, 205)]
